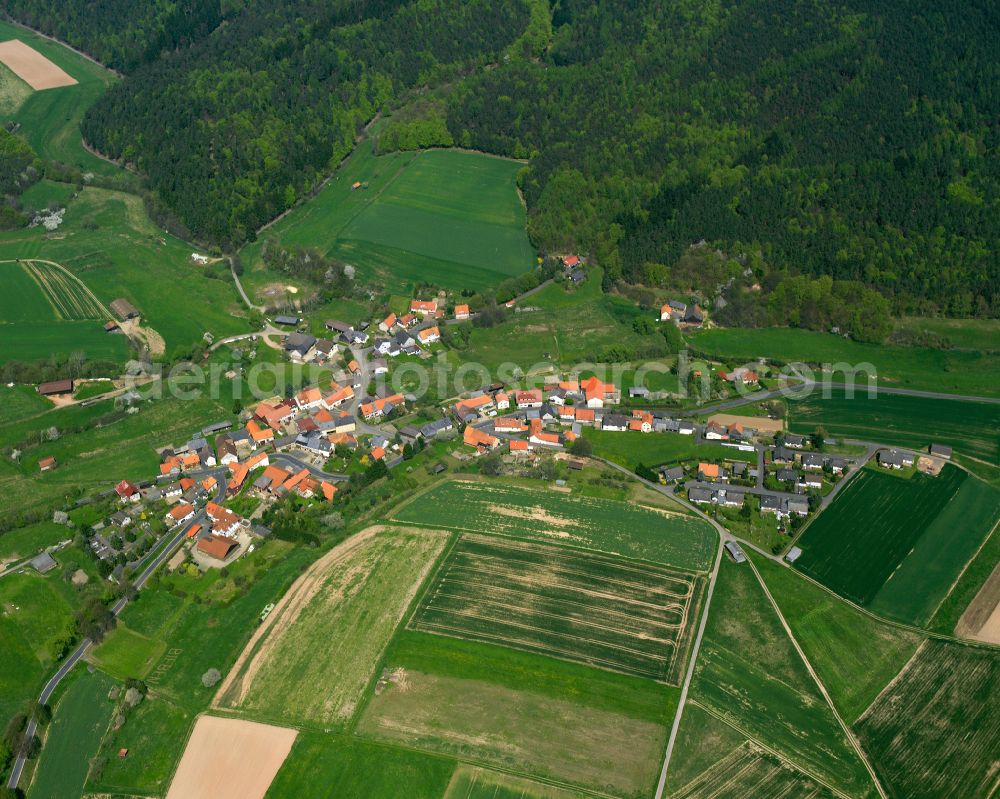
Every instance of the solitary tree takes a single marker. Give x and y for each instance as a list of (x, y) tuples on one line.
[(210, 678)]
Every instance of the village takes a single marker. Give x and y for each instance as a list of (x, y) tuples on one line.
[(212, 490)]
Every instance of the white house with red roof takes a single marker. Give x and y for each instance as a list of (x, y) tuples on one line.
[(127, 492)]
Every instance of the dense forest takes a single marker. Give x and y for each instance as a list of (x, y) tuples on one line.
[(856, 140), (232, 129)]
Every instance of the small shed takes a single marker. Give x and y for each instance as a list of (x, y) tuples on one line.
[(56, 387), (289, 321), (123, 309), (941, 450), (47, 464), (793, 554)]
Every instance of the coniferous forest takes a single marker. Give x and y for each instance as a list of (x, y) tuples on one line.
[(856, 140)]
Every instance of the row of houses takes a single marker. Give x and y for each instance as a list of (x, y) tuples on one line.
[(734, 497)]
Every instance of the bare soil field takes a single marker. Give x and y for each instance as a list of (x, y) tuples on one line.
[(761, 423), (981, 620), (32, 67), (312, 657), (230, 759)]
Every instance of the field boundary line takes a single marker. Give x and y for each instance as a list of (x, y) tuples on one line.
[(892, 683), (403, 624), (965, 568), (771, 751), (692, 661), (886, 620), (819, 683)]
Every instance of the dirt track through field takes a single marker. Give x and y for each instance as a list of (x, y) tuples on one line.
[(240, 677), (32, 67), (230, 759)]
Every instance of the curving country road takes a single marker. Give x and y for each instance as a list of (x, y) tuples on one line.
[(154, 562)]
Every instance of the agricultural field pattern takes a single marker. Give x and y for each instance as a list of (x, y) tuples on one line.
[(622, 615), (499, 399)]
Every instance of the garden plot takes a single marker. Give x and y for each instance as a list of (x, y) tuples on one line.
[(581, 606)]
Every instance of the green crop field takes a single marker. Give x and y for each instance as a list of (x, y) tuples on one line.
[(13, 92), (936, 731), (471, 782), (749, 674), (854, 655), (915, 422), (323, 766), (636, 531), (365, 586), (446, 217), (50, 119), (523, 731), (856, 544), (631, 449), (36, 323), (635, 697), (607, 612), (751, 771), (702, 741), (949, 371), (80, 720), (925, 577)]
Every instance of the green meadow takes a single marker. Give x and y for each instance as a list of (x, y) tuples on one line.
[(446, 217), (50, 119), (855, 655), (950, 371), (108, 242), (79, 723), (36, 619), (631, 449)]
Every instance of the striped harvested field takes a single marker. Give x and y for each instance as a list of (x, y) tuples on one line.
[(591, 608)]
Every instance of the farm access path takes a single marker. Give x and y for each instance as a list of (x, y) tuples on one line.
[(724, 537), (154, 559)]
